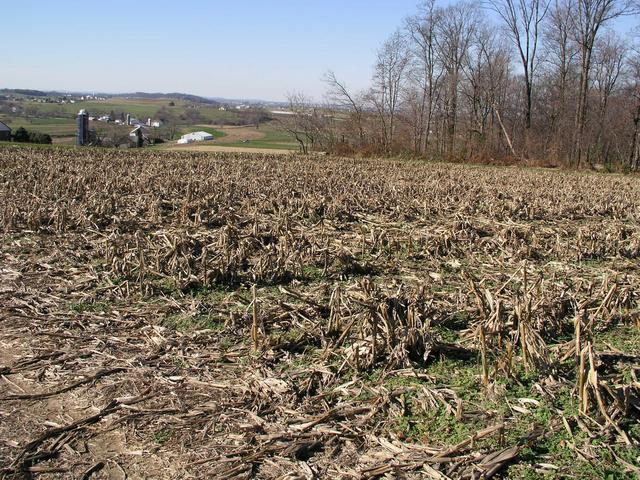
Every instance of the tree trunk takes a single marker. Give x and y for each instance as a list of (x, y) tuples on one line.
[(634, 158), (504, 131), (451, 117), (581, 111), (527, 88)]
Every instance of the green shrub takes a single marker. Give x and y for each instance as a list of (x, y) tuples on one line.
[(21, 135), (37, 137), (25, 136)]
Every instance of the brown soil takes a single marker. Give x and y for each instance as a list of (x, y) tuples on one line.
[(209, 147)]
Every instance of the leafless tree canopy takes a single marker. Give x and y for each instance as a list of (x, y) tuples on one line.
[(544, 81)]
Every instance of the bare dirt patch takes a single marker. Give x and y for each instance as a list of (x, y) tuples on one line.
[(64, 140), (214, 147)]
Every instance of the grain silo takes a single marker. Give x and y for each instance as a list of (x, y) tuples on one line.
[(83, 128)]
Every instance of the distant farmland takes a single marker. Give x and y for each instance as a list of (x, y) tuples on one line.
[(140, 108), (58, 120), (56, 127), (246, 138)]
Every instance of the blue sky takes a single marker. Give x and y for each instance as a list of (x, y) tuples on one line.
[(242, 48), (235, 49)]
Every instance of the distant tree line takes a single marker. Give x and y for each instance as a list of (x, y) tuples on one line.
[(547, 81), (31, 93)]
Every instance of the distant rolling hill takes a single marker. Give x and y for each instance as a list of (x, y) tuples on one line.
[(54, 93)]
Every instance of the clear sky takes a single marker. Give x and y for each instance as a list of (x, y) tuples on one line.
[(259, 49), (233, 48)]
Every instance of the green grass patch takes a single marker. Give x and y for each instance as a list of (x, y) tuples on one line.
[(162, 436), (273, 139), (622, 337), (37, 121), (435, 427), (312, 273), (56, 127)]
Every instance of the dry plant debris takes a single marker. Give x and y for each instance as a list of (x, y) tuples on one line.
[(188, 315)]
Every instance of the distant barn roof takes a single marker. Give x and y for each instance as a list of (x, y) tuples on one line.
[(4, 128), (197, 136)]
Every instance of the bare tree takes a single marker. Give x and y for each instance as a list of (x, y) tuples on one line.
[(304, 121), (634, 155), (608, 62), (523, 20), (487, 72), (339, 94), (560, 53), (448, 83), (588, 19), (476, 83), (425, 74), (455, 29), (388, 81)]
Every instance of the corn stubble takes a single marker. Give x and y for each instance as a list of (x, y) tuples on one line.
[(292, 316)]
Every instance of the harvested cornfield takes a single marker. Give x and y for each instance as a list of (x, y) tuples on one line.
[(191, 315)]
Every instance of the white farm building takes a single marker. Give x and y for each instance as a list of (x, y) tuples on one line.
[(195, 137)]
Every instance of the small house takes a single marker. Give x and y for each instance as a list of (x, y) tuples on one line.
[(5, 132)]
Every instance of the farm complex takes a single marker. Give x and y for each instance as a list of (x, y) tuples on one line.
[(175, 314), (166, 121)]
